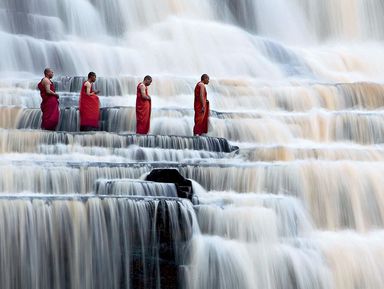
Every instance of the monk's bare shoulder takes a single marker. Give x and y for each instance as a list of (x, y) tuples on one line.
[(46, 81), (142, 88)]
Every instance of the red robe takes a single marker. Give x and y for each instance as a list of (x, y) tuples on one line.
[(49, 107), (143, 112), (89, 107), (201, 118)]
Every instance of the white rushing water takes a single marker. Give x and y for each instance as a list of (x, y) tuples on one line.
[(296, 85)]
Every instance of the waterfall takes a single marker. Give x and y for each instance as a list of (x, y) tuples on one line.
[(134, 187), (287, 183), (89, 243), (62, 33)]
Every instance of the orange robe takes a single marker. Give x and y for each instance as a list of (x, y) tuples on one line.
[(143, 112), (201, 118), (89, 107), (49, 107)]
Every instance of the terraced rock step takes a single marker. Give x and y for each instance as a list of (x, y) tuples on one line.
[(348, 188), (232, 93), (364, 127), (269, 218), (30, 140), (332, 152), (159, 182), (126, 187), (120, 242)]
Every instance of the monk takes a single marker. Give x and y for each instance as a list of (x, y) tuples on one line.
[(201, 106), (50, 102), (89, 105), (143, 106)]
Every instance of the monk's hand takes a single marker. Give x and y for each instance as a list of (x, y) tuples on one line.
[(203, 110)]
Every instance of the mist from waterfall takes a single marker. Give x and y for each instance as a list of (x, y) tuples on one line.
[(249, 38)]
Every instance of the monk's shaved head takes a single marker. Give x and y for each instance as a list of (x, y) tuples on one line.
[(147, 80), (47, 71), (204, 76)]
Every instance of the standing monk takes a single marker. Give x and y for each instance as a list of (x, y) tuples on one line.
[(143, 106), (50, 101), (89, 105), (201, 106)]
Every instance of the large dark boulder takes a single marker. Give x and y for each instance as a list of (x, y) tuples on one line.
[(183, 185)]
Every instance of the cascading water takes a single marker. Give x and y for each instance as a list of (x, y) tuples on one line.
[(88, 242), (292, 200)]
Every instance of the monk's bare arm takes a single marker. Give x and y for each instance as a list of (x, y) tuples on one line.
[(143, 92), (88, 89), (202, 91), (47, 85)]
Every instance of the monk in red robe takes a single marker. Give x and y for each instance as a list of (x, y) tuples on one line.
[(143, 106), (201, 106), (89, 105), (50, 102)]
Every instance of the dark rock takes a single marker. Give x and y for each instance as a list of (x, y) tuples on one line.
[(183, 186)]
